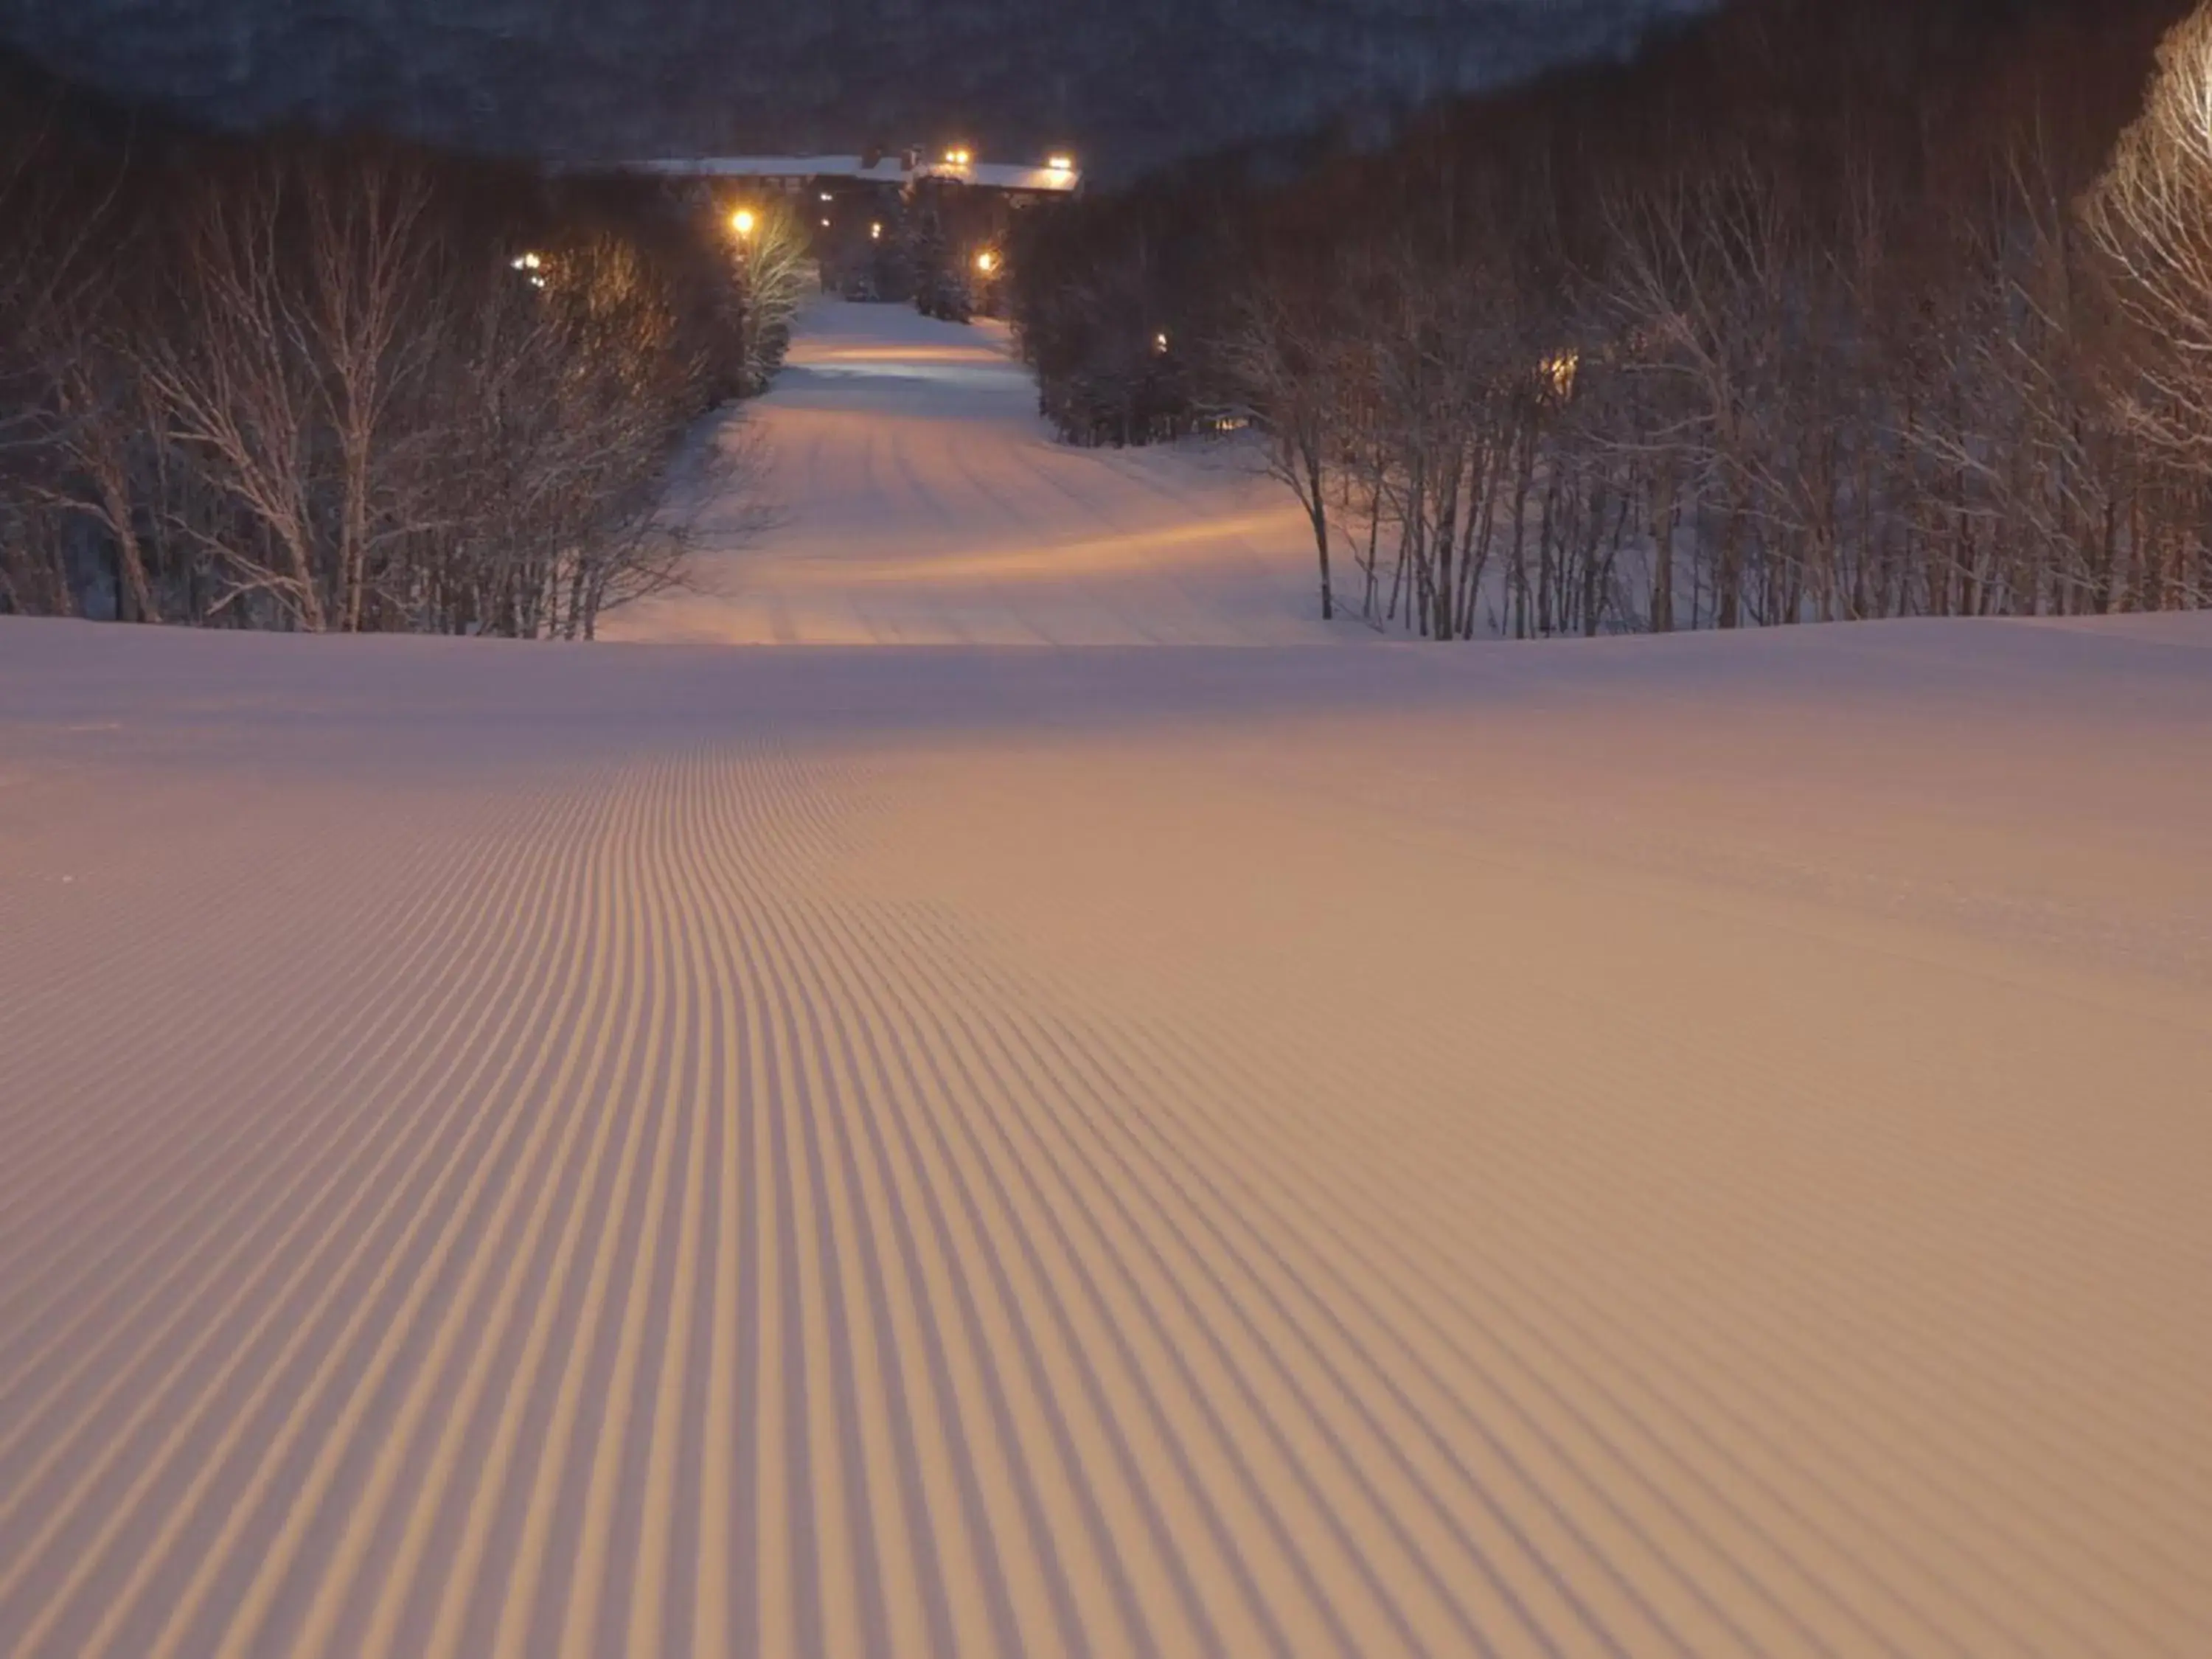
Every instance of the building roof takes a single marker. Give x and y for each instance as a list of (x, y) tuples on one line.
[(891, 169), (998, 175)]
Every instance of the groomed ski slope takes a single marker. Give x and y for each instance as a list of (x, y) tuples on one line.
[(921, 503), (1691, 1146)]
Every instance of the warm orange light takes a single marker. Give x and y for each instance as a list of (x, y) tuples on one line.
[(742, 221), (987, 262), (1061, 163)]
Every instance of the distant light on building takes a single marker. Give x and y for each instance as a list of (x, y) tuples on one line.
[(1061, 163), (742, 221), (1159, 343), (958, 158), (987, 262), (527, 261), (876, 233), (825, 224), (827, 197)]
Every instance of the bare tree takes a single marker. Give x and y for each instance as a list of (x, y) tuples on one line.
[(237, 376), (773, 269), (1281, 361), (105, 429), (368, 258), (2152, 216)]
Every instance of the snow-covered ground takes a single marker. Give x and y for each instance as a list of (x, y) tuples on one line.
[(923, 502), (1690, 1146)]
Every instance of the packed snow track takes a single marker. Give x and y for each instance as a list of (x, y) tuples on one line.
[(919, 501)]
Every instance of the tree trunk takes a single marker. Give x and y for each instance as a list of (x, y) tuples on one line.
[(1317, 511)]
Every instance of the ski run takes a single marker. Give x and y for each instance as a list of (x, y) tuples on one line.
[(1222, 1138)]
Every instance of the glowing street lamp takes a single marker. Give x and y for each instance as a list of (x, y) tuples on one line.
[(1061, 163), (987, 262), (744, 221), (958, 158)]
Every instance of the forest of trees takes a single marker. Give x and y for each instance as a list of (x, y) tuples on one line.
[(325, 384), (1808, 313), (1811, 313)]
